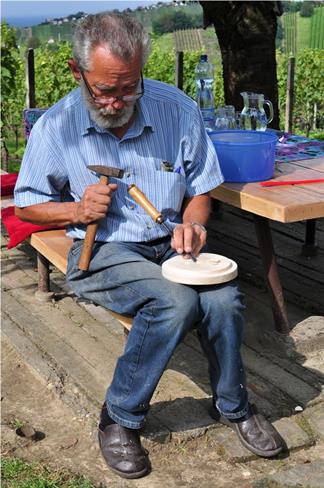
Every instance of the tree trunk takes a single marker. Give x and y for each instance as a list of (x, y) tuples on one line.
[(246, 33)]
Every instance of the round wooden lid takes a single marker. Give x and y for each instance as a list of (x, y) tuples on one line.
[(209, 269)]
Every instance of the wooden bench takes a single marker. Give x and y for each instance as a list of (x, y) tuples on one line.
[(52, 247)]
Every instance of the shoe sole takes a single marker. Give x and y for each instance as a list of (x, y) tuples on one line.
[(130, 476), (256, 451)]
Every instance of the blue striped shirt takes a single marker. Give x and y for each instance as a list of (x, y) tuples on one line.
[(167, 127)]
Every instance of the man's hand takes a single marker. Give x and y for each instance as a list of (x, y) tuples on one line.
[(95, 203), (188, 238)]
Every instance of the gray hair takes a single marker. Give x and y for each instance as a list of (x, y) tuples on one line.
[(124, 36)]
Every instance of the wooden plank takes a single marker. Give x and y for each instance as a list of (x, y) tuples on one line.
[(54, 245), (125, 321), (314, 163), (285, 204), (267, 205)]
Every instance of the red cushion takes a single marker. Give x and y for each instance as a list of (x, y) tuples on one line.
[(7, 183), (18, 230)]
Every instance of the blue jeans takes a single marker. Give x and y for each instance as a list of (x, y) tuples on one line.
[(126, 277)]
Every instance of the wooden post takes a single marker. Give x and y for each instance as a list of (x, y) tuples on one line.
[(315, 116), (30, 80), (179, 70), (290, 94)]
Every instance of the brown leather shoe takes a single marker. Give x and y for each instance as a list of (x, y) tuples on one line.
[(258, 435), (122, 450), (255, 432)]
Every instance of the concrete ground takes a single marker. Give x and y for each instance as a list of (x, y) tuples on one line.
[(58, 358)]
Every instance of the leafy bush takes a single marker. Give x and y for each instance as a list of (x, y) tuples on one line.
[(172, 20), (309, 88), (307, 9), (54, 80)]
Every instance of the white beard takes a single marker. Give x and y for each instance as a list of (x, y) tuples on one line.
[(105, 117)]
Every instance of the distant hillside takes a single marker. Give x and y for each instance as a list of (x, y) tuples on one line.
[(61, 29), (303, 32), (297, 32)]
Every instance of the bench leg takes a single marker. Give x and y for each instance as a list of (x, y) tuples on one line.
[(43, 273), (43, 292), (264, 237)]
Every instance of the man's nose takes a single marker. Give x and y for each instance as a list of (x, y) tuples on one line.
[(117, 104)]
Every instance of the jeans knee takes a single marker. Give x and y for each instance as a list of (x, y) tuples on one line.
[(181, 304), (223, 311), (226, 300)]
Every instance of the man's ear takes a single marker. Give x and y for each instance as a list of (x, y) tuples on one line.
[(74, 69)]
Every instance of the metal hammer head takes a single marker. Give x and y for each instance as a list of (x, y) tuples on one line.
[(107, 171)]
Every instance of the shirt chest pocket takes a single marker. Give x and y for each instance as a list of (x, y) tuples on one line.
[(164, 189)]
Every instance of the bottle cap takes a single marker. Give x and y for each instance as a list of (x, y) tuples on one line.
[(203, 57)]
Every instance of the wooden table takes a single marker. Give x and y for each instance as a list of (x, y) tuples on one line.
[(291, 203)]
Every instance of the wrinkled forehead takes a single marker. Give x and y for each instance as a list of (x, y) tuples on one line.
[(109, 70), (101, 57)]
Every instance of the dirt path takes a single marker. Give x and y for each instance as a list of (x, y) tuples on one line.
[(68, 444)]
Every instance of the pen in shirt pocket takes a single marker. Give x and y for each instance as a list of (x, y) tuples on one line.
[(166, 166)]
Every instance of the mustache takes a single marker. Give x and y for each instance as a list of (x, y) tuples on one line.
[(110, 111), (106, 117)]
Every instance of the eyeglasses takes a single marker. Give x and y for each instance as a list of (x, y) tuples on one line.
[(105, 99)]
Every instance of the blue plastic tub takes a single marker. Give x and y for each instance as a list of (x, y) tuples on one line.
[(245, 155)]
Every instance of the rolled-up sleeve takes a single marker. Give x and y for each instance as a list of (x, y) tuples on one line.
[(202, 168), (41, 176)]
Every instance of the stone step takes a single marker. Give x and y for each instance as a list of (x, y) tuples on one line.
[(81, 353), (74, 348)]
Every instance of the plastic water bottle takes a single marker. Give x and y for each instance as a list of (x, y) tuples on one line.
[(204, 91)]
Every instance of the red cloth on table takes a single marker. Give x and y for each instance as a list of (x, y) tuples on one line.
[(7, 183), (18, 230)]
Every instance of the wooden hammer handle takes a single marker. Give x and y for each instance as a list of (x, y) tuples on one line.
[(141, 199), (89, 239)]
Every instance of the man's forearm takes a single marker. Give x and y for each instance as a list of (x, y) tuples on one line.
[(50, 213), (197, 209)]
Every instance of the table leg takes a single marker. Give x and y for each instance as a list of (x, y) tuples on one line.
[(309, 248), (264, 237)]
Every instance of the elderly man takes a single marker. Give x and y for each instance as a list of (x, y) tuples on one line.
[(155, 134)]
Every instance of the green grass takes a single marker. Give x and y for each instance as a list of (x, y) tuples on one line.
[(165, 42), (16, 473), (16, 423), (290, 32), (61, 32), (303, 32), (210, 41), (317, 29)]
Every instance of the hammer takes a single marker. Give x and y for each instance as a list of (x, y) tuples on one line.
[(104, 172)]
